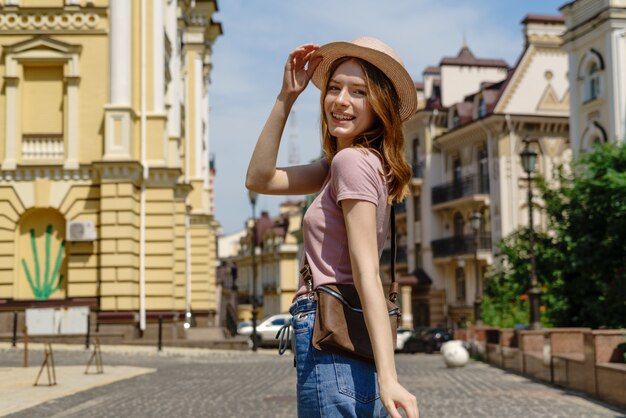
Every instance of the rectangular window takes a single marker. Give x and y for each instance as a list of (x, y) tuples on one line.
[(42, 100)]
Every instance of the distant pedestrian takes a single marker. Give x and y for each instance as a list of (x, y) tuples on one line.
[(366, 94)]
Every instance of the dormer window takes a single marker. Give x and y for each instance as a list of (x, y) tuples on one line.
[(456, 120), (482, 108)]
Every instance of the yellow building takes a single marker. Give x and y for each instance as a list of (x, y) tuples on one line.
[(105, 178), (276, 261)]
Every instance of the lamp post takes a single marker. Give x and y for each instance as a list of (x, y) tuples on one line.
[(475, 221), (529, 159), (252, 196)]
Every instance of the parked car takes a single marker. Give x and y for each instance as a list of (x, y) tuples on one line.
[(267, 329), (243, 325), (427, 340), (403, 335)]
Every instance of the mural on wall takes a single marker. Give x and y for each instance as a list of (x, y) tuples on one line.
[(41, 262), (42, 289)]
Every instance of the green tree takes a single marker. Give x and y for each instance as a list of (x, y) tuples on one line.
[(587, 213), (581, 261)]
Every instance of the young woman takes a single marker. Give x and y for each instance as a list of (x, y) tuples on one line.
[(366, 94)]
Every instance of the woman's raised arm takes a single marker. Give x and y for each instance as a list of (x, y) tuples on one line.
[(263, 176)]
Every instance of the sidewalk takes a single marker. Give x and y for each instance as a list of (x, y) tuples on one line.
[(16, 383)]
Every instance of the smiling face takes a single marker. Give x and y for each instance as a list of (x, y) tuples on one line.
[(346, 106)]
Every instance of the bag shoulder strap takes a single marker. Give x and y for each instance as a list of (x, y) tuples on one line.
[(393, 288)]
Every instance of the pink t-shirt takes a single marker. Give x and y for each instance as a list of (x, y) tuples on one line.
[(355, 173)]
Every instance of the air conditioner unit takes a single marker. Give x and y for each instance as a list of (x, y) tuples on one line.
[(80, 231)]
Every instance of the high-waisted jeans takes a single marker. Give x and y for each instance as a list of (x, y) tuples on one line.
[(330, 385)]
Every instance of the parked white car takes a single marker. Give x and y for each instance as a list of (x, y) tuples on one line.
[(267, 329), (403, 336)]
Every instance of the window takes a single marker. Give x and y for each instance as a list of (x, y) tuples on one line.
[(459, 225), (417, 208), (483, 171), (593, 82), (460, 284), (482, 108), (456, 120), (590, 72), (456, 173), (418, 256)]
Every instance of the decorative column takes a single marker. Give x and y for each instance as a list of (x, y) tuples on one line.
[(118, 111)]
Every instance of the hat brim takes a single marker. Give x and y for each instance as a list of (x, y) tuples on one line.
[(395, 71)]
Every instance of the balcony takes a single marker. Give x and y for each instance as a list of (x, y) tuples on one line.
[(42, 148), (467, 188), (461, 245)]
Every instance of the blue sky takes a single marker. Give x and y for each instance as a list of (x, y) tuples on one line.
[(258, 35)]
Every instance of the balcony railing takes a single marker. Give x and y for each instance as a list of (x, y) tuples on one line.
[(38, 147), (460, 245), (468, 186)]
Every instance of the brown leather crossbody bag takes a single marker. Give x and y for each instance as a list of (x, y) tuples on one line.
[(339, 321)]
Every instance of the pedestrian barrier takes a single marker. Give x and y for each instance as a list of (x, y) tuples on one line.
[(48, 363), (96, 355)]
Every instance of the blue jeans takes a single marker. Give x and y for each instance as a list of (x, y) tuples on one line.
[(330, 385)]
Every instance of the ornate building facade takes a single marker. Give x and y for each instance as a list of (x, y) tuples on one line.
[(105, 169), (464, 146), (596, 43)]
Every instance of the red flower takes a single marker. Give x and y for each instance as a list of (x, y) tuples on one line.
[(542, 308), (523, 297)]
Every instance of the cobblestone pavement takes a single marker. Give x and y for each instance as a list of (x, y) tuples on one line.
[(243, 384)]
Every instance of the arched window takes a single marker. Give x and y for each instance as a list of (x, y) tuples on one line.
[(590, 73)]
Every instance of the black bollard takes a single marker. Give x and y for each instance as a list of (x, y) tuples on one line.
[(160, 332), (88, 331), (14, 340)]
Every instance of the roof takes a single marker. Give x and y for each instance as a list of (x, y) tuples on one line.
[(465, 57), (418, 85), (431, 69), (538, 18)]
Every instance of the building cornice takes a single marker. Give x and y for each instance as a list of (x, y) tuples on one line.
[(71, 19), (26, 173), (475, 132)]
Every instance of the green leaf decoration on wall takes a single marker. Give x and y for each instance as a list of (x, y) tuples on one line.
[(43, 287)]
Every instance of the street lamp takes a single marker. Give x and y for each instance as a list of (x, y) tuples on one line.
[(252, 196), (529, 159), (475, 222)]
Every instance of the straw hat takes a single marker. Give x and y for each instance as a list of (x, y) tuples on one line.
[(376, 53)]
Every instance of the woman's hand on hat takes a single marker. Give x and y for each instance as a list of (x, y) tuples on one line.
[(298, 70)]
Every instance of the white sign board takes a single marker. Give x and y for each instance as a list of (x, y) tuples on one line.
[(61, 321)]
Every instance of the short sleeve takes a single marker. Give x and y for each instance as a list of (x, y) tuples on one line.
[(356, 174)]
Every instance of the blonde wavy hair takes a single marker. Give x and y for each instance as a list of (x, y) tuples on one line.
[(385, 138)]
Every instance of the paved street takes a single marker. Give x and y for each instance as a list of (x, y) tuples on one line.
[(202, 383)]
